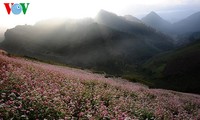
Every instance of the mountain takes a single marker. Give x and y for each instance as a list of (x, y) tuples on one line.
[(72, 42), (151, 37), (155, 21), (178, 69), (119, 23), (188, 25), (87, 43), (181, 31)]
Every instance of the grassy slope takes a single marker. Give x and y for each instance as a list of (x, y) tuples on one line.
[(178, 70), (36, 90)]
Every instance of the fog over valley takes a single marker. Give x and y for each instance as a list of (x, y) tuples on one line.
[(100, 60)]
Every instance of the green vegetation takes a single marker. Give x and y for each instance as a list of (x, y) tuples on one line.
[(178, 70)]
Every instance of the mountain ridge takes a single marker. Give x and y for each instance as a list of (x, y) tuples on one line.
[(189, 24), (154, 20), (186, 25)]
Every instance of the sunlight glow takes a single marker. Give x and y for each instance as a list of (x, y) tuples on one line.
[(45, 9)]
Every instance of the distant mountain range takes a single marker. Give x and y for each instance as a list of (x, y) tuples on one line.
[(109, 40), (187, 25), (117, 45)]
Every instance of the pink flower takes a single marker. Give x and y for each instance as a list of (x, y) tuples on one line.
[(81, 114)]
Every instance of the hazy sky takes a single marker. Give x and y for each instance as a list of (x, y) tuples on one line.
[(171, 10)]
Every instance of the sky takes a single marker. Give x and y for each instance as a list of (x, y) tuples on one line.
[(171, 10)]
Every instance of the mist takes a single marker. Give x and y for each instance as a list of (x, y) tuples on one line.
[(87, 42), (171, 10)]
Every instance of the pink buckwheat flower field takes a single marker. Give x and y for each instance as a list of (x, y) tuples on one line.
[(36, 90)]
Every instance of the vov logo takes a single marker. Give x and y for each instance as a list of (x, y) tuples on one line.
[(16, 8)]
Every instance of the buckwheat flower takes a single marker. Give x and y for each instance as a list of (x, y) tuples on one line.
[(9, 102), (12, 95), (19, 98), (20, 106), (2, 105), (1, 81), (24, 117), (81, 114), (3, 95), (127, 118), (105, 112), (89, 116)]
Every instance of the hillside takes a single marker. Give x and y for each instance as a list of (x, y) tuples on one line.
[(187, 38), (35, 90), (178, 70)]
